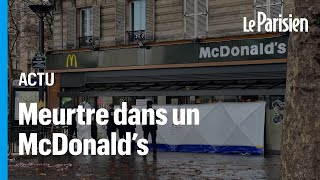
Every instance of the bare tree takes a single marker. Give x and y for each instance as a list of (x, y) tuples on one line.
[(14, 33), (301, 127), (23, 29)]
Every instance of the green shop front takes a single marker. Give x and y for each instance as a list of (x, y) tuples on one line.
[(240, 70)]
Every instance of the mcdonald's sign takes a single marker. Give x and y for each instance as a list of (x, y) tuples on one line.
[(72, 61)]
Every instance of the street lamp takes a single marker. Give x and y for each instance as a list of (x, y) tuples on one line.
[(41, 11)]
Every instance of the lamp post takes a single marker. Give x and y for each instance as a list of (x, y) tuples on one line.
[(41, 11)]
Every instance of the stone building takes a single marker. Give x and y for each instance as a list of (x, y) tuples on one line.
[(163, 20), (170, 51)]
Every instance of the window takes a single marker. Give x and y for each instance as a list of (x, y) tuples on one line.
[(196, 18), (86, 27), (138, 15), (138, 21), (272, 8), (86, 22)]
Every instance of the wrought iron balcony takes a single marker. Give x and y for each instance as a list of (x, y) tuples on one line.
[(136, 36), (85, 41)]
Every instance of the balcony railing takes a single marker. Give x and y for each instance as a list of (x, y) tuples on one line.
[(136, 36), (85, 41)]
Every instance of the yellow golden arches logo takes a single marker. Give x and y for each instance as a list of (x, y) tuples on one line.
[(72, 58)]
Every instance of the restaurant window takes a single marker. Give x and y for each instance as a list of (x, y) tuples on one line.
[(86, 27), (117, 100), (249, 98), (178, 100), (200, 99), (92, 101)]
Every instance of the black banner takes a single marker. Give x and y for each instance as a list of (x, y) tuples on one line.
[(235, 50)]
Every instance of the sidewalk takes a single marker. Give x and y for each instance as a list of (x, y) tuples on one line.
[(166, 166)]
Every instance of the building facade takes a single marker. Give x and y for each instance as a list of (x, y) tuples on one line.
[(170, 51), (108, 23)]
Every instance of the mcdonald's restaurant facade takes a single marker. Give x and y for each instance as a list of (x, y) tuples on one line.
[(180, 52), (237, 70)]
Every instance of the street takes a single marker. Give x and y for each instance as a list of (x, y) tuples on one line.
[(165, 166)]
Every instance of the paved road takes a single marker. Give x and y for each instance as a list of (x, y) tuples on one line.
[(166, 166)]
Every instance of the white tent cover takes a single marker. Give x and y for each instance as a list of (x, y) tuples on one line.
[(224, 128)]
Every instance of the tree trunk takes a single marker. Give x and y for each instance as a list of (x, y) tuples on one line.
[(300, 154)]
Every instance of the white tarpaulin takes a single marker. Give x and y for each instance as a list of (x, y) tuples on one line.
[(224, 128)]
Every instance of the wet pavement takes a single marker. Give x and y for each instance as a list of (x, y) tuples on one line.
[(165, 166)]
